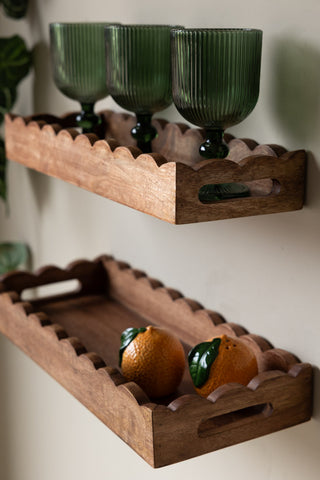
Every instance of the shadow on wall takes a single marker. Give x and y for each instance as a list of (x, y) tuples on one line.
[(5, 470), (41, 90), (316, 394), (296, 101), (40, 184), (41, 58), (312, 194), (42, 79), (296, 87)]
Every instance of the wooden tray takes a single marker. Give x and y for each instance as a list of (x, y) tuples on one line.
[(166, 183), (75, 337)]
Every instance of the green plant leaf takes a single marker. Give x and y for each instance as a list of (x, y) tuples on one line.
[(12, 256), (7, 99), (15, 61), (126, 338), (15, 8), (3, 165), (200, 359)]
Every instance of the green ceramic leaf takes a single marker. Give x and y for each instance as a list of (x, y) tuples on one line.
[(3, 163), (15, 61), (7, 99), (200, 359), (126, 338), (15, 8), (12, 256)]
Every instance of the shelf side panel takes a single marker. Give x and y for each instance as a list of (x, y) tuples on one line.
[(117, 175), (82, 374), (287, 171), (236, 414), (166, 183)]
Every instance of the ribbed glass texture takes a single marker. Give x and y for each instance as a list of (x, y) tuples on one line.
[(215, 74), (138, 67), (78, 60)]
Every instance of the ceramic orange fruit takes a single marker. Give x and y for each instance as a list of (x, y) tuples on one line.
[(221, 360), (153, 358)]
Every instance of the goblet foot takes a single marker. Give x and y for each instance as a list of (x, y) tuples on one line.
[(87, 119), (144, 132), (222, 191), (214, 146)]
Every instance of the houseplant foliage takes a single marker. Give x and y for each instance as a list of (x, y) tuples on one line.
[(15, 63), (12, 256), (15, 8)]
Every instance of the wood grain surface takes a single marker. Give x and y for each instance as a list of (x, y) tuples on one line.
[(166, 182), (75, 337)]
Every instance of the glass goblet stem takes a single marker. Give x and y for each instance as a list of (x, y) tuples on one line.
[(144, 132), (214, 146), (87, 119)]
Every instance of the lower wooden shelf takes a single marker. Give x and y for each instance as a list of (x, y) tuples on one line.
[(75, 337), (167, 183)]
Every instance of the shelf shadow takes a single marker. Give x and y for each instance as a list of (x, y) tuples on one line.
[(296, 80), (5, 444), (316, 394)]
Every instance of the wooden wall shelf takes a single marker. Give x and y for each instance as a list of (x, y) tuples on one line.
[(75, 337), (165, 183)]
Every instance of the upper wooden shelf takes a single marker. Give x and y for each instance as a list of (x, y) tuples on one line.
[(165, 183), (75, 337)]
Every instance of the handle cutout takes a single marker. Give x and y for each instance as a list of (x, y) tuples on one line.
[(46, 291), (234, 419), (219, 192)]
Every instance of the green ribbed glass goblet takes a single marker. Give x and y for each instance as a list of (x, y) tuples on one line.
[(139, 74), (215, 80), (78, 62)]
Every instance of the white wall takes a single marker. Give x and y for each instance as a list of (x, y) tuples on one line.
[(262, 272)]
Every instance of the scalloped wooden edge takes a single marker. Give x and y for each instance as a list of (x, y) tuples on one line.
[(285, 388), (243, 149), (148, 182), (192, 311)]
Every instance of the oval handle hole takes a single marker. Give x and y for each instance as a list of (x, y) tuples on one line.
[(219, 192), (234, 419), (50, 290)]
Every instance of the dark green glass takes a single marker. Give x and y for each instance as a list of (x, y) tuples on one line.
[(139, 73), (215, 80), (78, 62), (15, 8)]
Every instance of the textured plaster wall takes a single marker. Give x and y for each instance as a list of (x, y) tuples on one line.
[(262, 272)]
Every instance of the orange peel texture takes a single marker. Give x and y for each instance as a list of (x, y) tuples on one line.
[(233, 361), (154, 359)]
